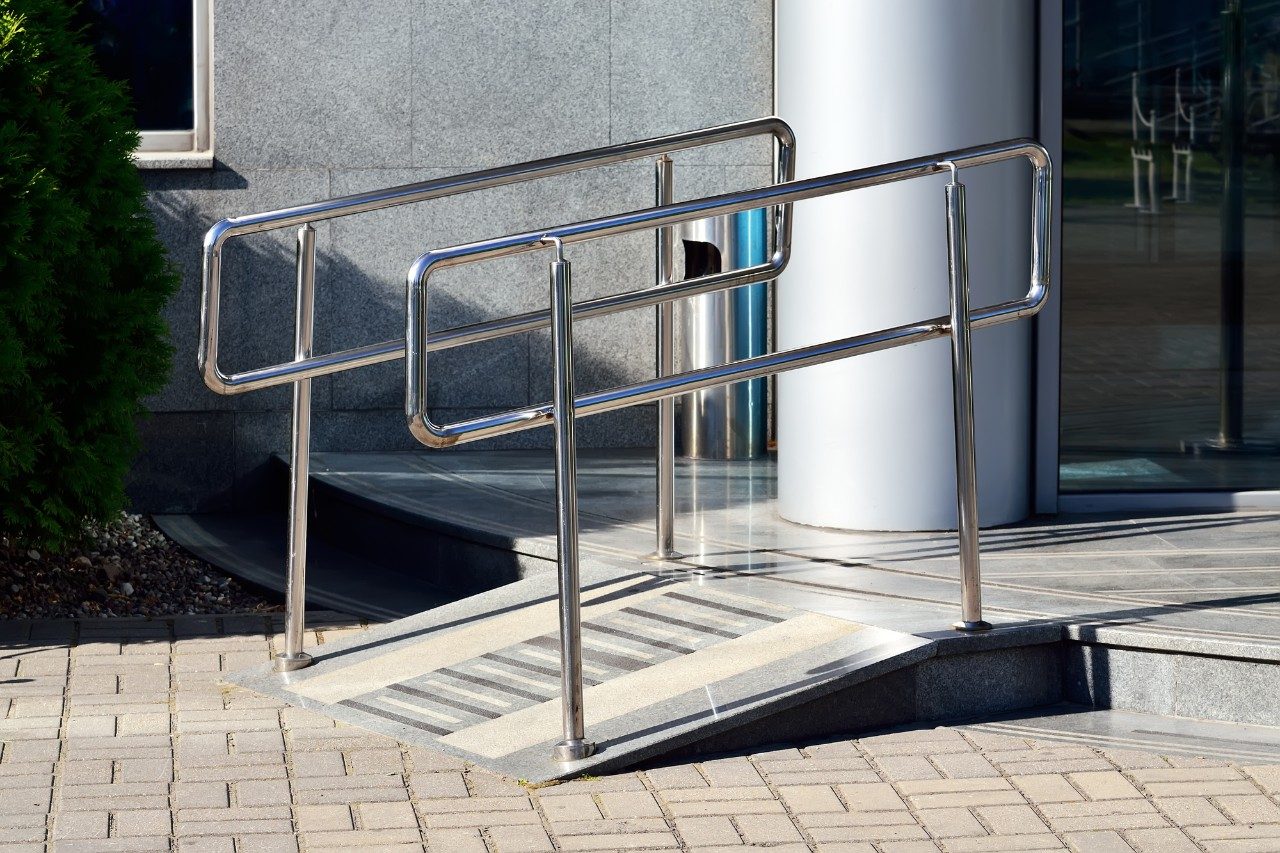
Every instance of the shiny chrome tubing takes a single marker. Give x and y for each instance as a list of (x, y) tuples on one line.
[(435, 435), (293, 657), (665, 462), (575, 746), (962, 392), (370, 354), (279, 374)]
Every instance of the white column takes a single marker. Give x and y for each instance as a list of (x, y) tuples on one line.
[(866, 443)]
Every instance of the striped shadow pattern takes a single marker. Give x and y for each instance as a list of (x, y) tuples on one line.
[(524, 674)]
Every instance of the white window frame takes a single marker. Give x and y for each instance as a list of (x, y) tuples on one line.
[(188, 148)]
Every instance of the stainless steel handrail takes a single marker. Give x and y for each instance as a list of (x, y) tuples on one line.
[(305, 366), (564, 408), (290, 371)]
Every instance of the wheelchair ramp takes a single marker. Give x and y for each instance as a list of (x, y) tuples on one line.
[(668, 661)]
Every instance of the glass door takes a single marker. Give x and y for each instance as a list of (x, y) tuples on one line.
[(1171, 245)]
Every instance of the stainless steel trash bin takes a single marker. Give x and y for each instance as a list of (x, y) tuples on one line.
[(728, 422)]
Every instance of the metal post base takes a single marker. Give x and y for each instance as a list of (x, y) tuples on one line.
[(567, 751), (288, 663), (980, 625), (1218, 447), (663, 557)]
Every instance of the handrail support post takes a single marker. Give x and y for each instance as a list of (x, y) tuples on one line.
[(962, 387), (575, 746), (293, 657), (665, 462)]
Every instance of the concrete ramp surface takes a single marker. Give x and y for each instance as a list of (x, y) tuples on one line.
[(668, 661)]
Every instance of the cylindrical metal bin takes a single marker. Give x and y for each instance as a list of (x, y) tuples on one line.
[(728, 422)]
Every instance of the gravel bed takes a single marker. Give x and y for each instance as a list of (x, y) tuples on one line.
[(125, 568)]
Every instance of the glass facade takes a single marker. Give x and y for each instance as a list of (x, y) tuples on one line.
[(147, 44), (1171, 245)]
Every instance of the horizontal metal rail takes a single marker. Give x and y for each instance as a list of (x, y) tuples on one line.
[(474, 429), (312, 366)]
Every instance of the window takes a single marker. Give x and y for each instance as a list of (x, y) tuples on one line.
[(160, 49)]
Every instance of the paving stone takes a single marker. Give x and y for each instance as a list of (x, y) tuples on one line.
[(268, 843), (1046, 788), (80, 825), (949, 822), (1199, 789), (242, 828), (638, 841), (731, 772), (519, 839), (705, 831), (1004, 844), (766, 829), (456, 840), (871, 796), (325, 818), (263, 792), (430, 785), (810, 798), (397, 815), (1168, 840), (1103, 841), (907, 767), (207, 845), (313, 764), (361, 839), (148, 822), (624, 804), (571, 807), (1011, 820), (685, 776), (620, 826), (1104, 785), (193, 795), (875, 833), (964, 765)]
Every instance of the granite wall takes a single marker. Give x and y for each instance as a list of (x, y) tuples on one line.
[(318, 98)]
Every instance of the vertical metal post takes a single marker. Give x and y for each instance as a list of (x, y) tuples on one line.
[(1231, 321), (575, 746), (962, 386), (665, 547), (300, 461)]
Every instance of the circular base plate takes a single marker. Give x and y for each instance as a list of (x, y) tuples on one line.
[(288, 663), (658, 557), (572, 750), (972, 626)]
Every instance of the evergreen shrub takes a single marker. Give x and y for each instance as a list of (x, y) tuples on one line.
[(83, 280)]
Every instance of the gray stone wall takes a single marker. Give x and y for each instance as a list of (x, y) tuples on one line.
[(318, 98)]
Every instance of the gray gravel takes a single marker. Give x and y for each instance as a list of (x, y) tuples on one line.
[(125, 568)]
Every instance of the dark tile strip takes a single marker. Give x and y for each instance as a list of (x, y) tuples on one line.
[(715, 605), (591, 655), (523, 664), (445, 700), (679, 623), (636, 638), (398, 718), (494, 685)]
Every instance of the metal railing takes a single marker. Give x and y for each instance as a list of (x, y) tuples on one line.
[(306, 365), (565, 406)]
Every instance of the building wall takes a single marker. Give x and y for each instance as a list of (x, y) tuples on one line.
[(318, 98)]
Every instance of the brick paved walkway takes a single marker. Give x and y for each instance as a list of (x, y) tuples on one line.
[(118, 736)]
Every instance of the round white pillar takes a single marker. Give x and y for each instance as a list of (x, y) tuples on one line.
[(867, 443)]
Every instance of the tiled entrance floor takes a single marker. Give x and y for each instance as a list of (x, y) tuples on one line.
[(1202, 583)]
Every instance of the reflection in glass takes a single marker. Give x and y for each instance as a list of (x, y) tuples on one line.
[(1171, 292), (147, 44)]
